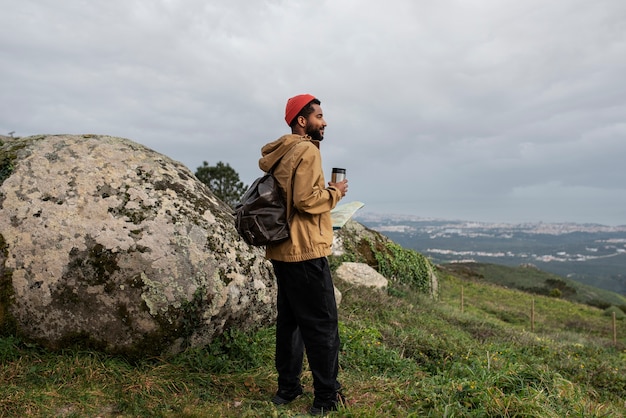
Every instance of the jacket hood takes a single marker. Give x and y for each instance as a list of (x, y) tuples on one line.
[(275, 150)]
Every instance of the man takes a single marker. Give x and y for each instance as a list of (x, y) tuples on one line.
[(307, 311)]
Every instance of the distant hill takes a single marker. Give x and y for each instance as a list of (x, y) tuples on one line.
[(532, 280)]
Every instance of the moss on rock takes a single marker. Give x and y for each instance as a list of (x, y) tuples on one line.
[(116, 247)]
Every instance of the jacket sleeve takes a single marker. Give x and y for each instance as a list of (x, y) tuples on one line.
[(309, 192)]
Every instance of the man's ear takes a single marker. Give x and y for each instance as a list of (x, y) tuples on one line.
[(302, 121)]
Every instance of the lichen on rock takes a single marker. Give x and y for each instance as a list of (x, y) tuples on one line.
[(111, 244)]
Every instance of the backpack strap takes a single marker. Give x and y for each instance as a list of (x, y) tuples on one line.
[(290, 207)]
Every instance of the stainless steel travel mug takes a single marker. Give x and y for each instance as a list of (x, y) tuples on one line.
[(339, 174)]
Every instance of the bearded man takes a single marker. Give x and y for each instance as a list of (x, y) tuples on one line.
[(307, 310)]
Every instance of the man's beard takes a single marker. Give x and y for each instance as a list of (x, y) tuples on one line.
[(315, 133)]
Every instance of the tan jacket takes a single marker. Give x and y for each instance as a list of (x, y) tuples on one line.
[(301, 176)]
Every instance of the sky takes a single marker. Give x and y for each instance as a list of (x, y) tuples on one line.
[(479, 110)]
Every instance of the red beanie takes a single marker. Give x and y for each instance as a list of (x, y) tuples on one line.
[(295, 105)]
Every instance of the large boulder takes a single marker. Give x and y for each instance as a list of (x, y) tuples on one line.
[(107, 243)]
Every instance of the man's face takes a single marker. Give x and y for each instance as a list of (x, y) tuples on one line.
[(315, 123)]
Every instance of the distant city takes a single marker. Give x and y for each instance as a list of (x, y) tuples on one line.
[(590, 253), (533, 227)]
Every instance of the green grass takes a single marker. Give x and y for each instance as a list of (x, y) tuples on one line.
[(538, 282), (402, 355)]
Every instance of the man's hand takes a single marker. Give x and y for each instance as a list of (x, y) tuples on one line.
[(342, 186)]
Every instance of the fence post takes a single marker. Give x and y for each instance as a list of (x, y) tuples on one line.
[(462, 300), (532, 316), (614, 330)]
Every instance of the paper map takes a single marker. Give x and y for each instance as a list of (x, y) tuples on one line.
[(342, 213)]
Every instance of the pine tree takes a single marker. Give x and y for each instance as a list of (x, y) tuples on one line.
[(223, 181)]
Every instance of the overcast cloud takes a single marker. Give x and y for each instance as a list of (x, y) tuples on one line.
[(484, 110)]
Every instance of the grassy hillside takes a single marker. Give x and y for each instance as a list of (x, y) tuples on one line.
[(403, 354), (533, 280)]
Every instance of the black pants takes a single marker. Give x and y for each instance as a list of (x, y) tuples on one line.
[(307, 318)]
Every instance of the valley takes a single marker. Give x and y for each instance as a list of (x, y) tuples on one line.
[(588, 253)]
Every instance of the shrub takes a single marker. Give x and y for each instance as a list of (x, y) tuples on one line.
[(619, 314), (404, 266)]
